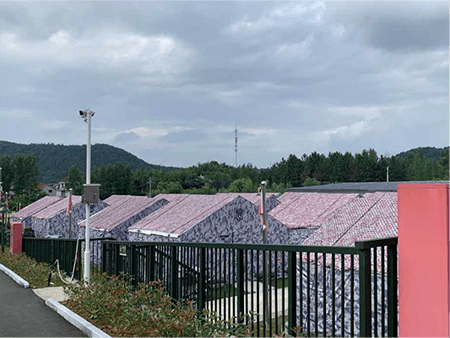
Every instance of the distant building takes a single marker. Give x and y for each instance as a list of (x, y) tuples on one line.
[(54, 189)]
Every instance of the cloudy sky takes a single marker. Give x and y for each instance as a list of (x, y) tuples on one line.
[(168, 81)]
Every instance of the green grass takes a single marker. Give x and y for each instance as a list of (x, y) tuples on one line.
[(223, 291), (279, 283), (33, 272)]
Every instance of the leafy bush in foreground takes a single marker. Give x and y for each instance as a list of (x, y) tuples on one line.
[(33, 272), (120, 309)]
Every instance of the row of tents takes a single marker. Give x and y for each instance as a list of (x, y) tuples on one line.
[(312, 218)]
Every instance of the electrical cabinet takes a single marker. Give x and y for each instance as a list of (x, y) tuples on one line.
[(91, 193)]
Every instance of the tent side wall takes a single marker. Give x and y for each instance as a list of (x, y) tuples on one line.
[(337, 298), (120, 232), (59, 224), (298, 236), (223, 226)]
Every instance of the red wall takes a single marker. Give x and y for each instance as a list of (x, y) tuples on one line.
[(423, 262), (16, 237)]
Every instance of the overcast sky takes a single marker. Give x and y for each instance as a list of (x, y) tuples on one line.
[(168, 81)]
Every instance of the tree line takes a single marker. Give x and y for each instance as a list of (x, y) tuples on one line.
[(19, 175), (213, 177)]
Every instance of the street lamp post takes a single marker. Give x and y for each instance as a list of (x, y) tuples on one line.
[(87, 115)]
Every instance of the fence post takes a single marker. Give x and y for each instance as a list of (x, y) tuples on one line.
[(202, 281), (392, 291), (292, 291), (365, 284), (116, 258), (174, 268), (134, 265), (104, 246), (240, 284), (152, 267)]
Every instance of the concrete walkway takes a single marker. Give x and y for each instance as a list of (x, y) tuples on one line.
[(23, 314)]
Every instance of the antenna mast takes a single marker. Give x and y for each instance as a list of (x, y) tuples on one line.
[(235, 144)]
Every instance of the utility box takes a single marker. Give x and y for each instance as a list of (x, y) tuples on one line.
[(423, 262), (91, 193)]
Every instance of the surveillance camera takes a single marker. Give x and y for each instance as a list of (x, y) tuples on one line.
[(81, 113)]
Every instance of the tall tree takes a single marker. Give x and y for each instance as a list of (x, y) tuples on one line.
[(75, 180), (7, 174), (26, 173)]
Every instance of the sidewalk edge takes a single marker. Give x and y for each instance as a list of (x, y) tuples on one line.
[(76, 320), (19, 280)]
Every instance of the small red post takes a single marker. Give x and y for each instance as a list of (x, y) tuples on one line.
[(16, 237), (423, 263)]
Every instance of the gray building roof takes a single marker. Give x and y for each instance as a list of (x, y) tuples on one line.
[(359, 186)]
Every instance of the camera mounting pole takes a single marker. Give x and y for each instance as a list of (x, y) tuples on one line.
[(87, 115)]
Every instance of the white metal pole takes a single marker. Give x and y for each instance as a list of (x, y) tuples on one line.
[(70, 214), (87, 252), (266, 265)]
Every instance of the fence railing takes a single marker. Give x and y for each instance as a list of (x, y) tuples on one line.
[(316, 290), (48, 250)]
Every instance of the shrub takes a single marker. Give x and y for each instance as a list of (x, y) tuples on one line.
[(120, 309), (310, 181)]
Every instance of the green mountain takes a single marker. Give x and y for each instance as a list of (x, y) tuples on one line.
[(429, 152), (54, 160)]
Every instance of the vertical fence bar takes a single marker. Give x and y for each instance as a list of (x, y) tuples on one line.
[(342, 296), (116, 258), (352, 297), (383, 295), (375, 296), (301, 292), (365, 307), (392, 291), (333, 295), (174, 268), (316, 294), (324, 282), (292, 294), (202, 281), (104, 266), (308, 295), (240, 283), (276, 290)]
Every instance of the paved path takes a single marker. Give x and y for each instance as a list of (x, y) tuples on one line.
[(23, 314)]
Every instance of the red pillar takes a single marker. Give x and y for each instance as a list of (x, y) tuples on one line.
[(16, 237), (423, 260)]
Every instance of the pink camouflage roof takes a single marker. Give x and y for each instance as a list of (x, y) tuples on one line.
[(120, 210), (181, 215), (308, 209), (37, 206), (57, 207), (367, 218)]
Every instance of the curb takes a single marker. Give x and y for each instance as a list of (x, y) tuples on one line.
[(76, 320), (19, 280)]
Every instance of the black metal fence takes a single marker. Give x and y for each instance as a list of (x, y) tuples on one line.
[(48, 250), (316, 290)]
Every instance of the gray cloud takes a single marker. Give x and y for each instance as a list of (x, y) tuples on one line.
[(165, 77)]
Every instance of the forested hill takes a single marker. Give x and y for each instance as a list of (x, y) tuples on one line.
[(54, 160), (429, 152)]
